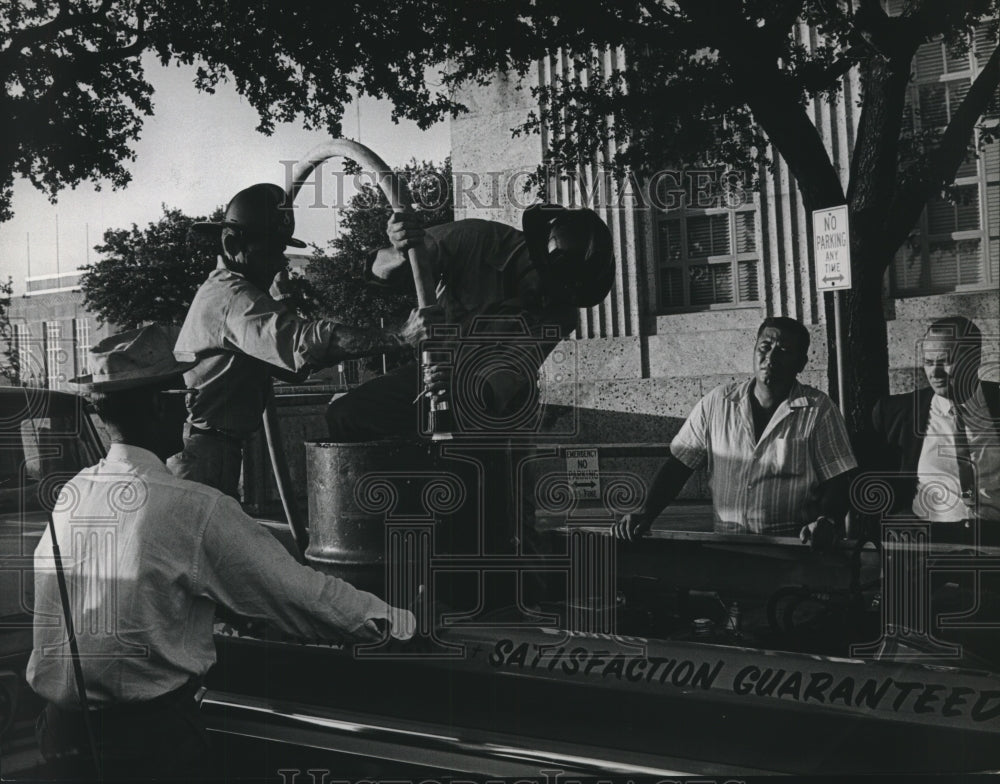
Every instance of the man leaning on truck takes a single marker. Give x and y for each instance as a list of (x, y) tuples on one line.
[(776, 450), (148, 557)]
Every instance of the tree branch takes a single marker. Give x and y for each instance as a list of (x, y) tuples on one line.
[(822, 80), (944, 160), (887, 36), (777, 28), (874, 162), (48, 31), (655, 10), (663, 28), (772, 98), (90, 59), (937, 17)]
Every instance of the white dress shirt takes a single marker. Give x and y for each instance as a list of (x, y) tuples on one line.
[(148, 557), (939, 491)]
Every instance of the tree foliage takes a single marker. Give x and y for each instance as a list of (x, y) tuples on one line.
[(705, 79), (341, 286), (75, 93), (148, 274), (10, 358)]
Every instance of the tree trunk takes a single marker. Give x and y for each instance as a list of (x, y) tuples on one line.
[(865, 341), (874, 171)]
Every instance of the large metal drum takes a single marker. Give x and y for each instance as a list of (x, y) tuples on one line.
[(355, 491)]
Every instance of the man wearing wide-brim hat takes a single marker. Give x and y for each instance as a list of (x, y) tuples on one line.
[(148, 558), (241, 336), (489, 276)]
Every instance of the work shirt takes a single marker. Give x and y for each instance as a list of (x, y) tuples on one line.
[(939, 490), (148, 557), (767, 486), (475, 264), (473, 261), (239, 335)]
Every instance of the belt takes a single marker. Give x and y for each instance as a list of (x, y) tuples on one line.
[(194, 430), (180, 696)]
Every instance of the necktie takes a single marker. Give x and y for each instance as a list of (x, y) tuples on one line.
[(966, 472)]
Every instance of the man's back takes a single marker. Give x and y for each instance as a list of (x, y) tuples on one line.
[(472, 256), (130, 535), (149, 557)]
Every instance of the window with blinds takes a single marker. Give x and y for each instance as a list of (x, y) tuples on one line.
[(708, 258), (53, 354), (81, 344), (956, 244), (21, 350)]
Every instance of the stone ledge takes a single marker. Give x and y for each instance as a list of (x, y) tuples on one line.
[(594, 359), (710, 320), (975, 305)]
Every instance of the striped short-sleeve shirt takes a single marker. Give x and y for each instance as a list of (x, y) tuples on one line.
[(767, 486)]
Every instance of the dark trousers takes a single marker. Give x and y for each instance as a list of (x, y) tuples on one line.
[(211, 460), (380, 408), (166, 741)]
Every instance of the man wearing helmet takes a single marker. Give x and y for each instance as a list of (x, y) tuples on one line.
[(242, 336), (562, 261)]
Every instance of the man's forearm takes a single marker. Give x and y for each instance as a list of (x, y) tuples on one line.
[(666, 485), (392, 268), (833, 497), (353, 342)]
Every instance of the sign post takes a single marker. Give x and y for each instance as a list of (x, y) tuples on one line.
[(832, 257)]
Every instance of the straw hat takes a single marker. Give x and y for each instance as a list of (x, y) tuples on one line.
[(136, 358)]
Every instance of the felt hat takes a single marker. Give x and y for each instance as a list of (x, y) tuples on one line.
[(136, 358), (573, 250)]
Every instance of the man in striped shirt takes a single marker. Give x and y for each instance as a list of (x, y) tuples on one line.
[(777, 451)]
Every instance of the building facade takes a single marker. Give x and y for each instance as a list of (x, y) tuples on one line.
[(694, 281), (52, 332)]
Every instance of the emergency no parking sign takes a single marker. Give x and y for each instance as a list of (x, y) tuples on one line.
[(582, 473)]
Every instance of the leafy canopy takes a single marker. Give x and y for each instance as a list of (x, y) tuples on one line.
[(687, 81), (10, 358), (75, 94), (149, 274)]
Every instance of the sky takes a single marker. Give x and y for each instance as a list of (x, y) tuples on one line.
[(195, 152)]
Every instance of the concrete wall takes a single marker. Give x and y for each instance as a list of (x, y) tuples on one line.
[(488, 164), (908, 320)]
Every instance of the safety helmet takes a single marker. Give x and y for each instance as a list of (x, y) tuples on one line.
[(257, 211), (572, 251)]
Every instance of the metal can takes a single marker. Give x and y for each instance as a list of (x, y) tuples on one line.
[(734, 621)]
